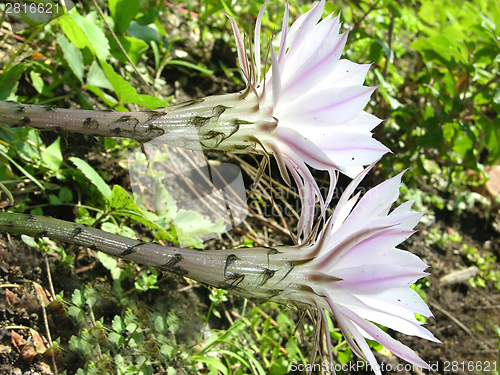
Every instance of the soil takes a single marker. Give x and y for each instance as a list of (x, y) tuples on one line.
[(465, 316)]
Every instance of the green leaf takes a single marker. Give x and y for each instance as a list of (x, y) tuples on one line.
[(110, 264), (73, 31), (77, 298), (145, 33), (134, 47), (345, 356), (115, 339), (24, 171), (29, 240), (496, 97), (123, 11), (394, 9), (96, 77), (65, 194), (126, 93), (83, 33), (189, 225), (52, 157), (123, 204), (97, 41), (156, 52), (118, 324), (9, 81), (166, 351), (213, 363), (72, 55), (190, 65), (151, 102), (106, 98), (463, 144), (149, 16), (37, 82), (93, 176), (54, 200)]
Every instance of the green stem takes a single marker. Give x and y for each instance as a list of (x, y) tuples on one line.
[(221, 122)]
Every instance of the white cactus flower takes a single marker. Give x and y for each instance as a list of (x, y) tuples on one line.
[(309, 105)]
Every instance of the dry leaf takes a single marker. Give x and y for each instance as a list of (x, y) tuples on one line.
[(38, 341), (17, 341), (28, 353), (42, 294), (11, 298)]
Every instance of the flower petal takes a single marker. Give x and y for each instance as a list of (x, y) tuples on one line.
[(314, 69), (304, 148), (347, 149), (369, 279), (348, 73), (258, 25), (326, 107), (300, 31), (383, 338)]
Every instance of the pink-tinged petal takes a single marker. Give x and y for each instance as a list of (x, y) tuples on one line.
[(300, 34), (309, 180), (404, 302), (326, 107), (314, 69), (383, 338), (348, 328), (240, 45), (352, 172), (377, 314), (407, 219), (276, 80), (328, 27), (372, 248), (375, 202), (343, 201), (398, 324), (404, 208), (317, 42), (347, 73), (347, 149), (280, 159), (304, 148), (369, 279), (345, 243), (402, 258), (258, 25), (306, 204), (343, 213), (333, 183), (294, 29), (363, 123), (284, 34)]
